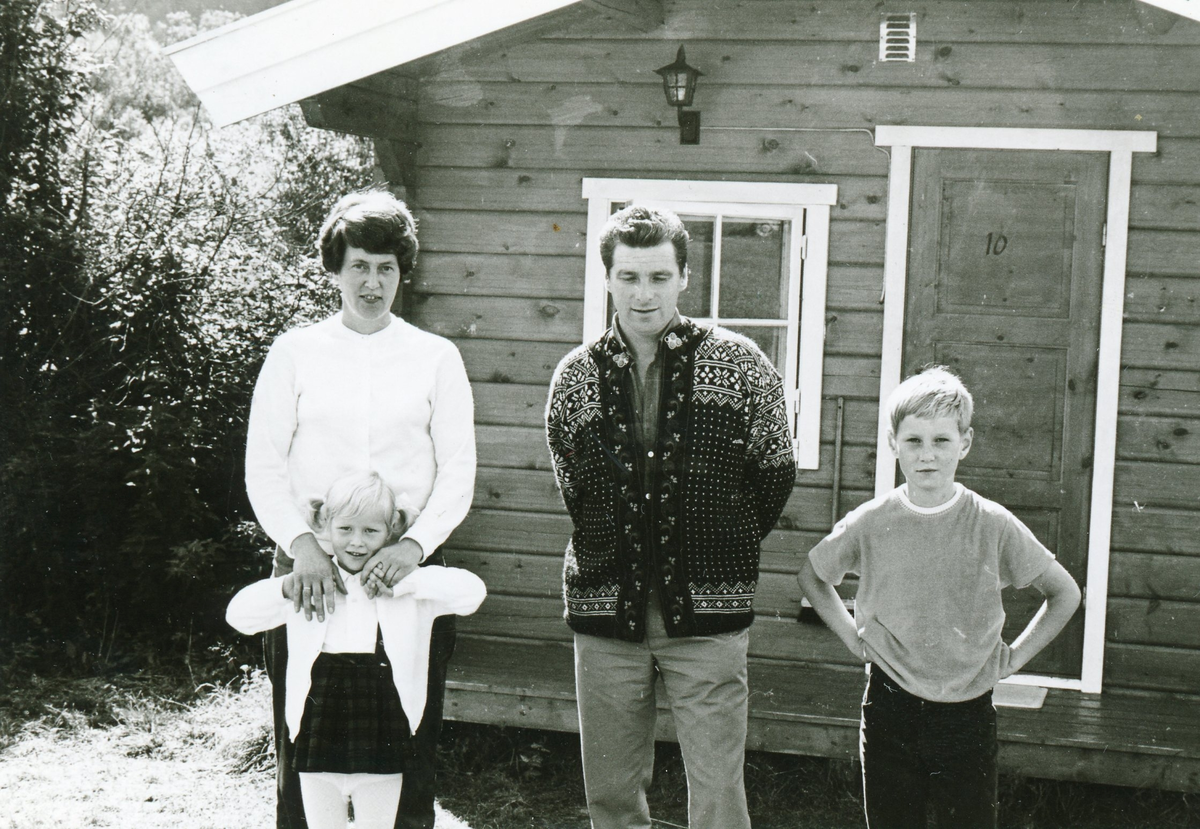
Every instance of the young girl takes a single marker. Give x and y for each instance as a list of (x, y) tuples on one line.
[(356, 681)]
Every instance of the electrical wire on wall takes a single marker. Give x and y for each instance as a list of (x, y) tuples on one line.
[(868, 131)]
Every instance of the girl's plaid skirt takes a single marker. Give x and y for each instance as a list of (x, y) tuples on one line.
[(353, 722)]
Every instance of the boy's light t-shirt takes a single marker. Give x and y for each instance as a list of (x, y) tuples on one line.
[(928, 607)]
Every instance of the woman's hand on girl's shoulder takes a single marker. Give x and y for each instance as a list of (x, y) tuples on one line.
[(392, 563), (376, 586), (316, 578)]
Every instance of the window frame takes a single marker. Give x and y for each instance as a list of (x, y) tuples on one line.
[(807, 206)]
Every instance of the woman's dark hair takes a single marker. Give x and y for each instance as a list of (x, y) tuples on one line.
[(643, 227), (373, 220)]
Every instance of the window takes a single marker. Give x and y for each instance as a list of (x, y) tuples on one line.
[(757, 265)]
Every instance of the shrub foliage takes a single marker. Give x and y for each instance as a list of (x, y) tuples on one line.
[(147, 260)]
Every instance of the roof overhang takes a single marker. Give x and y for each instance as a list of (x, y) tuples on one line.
[(305, 47), (1183, 8)]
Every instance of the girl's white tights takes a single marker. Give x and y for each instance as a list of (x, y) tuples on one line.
[(375, 798)]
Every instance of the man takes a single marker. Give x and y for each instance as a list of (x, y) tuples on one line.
[(671, 446)]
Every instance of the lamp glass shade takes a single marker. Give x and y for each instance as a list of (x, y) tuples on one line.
[(679, 80)]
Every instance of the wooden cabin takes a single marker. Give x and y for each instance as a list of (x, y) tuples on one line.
[(1010, 188)]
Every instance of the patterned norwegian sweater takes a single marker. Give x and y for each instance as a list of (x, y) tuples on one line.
[(723, 471)]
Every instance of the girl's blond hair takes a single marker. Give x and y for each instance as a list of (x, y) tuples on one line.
[(356, 494)]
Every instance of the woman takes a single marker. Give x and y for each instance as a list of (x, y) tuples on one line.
[(361, 390)]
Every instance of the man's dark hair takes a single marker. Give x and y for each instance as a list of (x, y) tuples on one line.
[(643, 227), (373, 220)]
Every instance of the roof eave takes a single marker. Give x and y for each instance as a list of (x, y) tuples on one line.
[(1184, 8), (305, 47)]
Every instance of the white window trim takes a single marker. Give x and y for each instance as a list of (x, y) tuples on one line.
[(810, 202), (1120, 145)]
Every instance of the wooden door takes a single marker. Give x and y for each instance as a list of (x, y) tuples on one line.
[(1004, 283)]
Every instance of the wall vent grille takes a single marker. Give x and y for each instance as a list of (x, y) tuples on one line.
[(898, 37)]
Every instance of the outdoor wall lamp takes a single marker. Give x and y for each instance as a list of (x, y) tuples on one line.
[(679, 84)]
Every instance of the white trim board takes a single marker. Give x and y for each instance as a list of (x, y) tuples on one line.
[(1183, 8), (306, 47), (739, 192), (1006, 138), (1120, 145)]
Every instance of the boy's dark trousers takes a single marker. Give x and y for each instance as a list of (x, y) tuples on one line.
[(417, 794), (921, 756)]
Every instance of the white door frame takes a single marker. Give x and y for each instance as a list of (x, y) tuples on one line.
[(1120, 145)]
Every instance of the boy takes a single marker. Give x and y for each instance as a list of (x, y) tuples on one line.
[(932, 557)]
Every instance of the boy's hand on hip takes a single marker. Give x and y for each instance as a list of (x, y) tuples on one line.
[(391, 564), (315, 578), (1008, 665)]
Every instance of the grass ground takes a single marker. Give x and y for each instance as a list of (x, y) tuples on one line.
[(509, 779), (128, 752), (153, 753)]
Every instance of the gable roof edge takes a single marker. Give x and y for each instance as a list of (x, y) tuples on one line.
[(1184, 8), (305, 47)]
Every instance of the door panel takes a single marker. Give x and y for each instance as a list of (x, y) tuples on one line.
[(1007, 248), (1016, 436), (1004, 283)]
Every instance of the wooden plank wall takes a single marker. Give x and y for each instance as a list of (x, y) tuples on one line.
[(506, 134)]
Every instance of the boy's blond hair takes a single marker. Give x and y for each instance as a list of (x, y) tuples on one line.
[(360, 493), (934, 392)]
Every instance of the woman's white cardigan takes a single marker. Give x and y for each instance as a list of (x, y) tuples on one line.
[(405, 620), (330, 401)]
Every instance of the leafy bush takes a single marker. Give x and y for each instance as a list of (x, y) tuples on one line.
[(146, 263)]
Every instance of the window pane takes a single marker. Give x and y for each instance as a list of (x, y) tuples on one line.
[(771, 340), (696, 301), (754, 268)]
